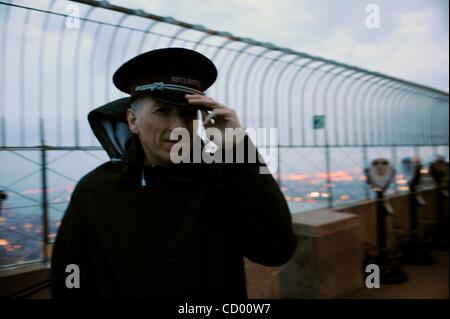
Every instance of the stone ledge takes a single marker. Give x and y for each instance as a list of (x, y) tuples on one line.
[(321, 223), (328, 260)]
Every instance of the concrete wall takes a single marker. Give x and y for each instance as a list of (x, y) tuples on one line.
[(313, 271)]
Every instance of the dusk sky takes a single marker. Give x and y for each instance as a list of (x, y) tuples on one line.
[(411, 42)]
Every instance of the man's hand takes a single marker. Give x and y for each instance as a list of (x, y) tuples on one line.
[(219, 117)]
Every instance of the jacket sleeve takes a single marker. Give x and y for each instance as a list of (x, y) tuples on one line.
[(67, 251), (261, 217)]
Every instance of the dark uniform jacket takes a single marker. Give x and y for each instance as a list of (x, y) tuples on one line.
[(174, 232)]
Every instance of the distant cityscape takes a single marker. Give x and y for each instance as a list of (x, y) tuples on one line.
[(21, 216)]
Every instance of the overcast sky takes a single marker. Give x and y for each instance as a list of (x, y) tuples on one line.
[(411, 42)]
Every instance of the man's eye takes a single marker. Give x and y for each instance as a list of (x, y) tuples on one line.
[(161, 110), (190, 114)]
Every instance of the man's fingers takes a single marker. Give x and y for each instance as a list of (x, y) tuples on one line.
[(206, 104), (220, 114), (197, 99), (210, 118), (215, 114)]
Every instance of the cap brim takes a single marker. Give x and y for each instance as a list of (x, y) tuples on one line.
[(177, 99)]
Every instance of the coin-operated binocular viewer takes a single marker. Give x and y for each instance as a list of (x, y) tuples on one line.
[(379, 177), (413, 247), (3, 197), (439, 172)]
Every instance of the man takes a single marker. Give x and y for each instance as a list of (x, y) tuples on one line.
[(142, 226)]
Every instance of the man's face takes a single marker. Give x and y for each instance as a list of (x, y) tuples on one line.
[(153, 122)]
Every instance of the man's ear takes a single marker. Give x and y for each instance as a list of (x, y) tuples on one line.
[(132, 121)]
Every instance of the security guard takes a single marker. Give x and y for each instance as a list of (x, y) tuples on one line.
[(142, 226)]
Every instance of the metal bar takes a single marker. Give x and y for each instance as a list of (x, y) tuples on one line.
[(262, 84), (145, 34), (44, 192), (314, 95), (387, 131), (92, 65), (246, 77), (247, 80), (76, 72), (22, 82), (219, 49), (365, 103), (358, 90), (276, 95), (303, 99), (261, 102), (376, 105), (327, 107), (338, 89), (290, 105), (99, 148), (347, 104), (327, 144), (3, 41), (290, 90), (110, 52), (175, 36), (59, 55), (409, 93)]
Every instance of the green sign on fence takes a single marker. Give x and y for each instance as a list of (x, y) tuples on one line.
[(318, 121)]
